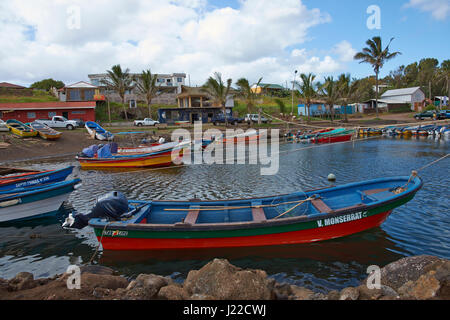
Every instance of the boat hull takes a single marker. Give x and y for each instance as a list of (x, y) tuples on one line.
[(36, 204), (332, 139), (162, 160), (36, 179)]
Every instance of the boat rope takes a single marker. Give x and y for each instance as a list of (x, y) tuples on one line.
[(298, 204), (431, 163), (99, 242)]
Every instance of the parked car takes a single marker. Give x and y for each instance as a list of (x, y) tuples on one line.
[(3, 126), (146, 122), (444, 114), (80, 122), (59, 122), (230, 119), (426, 114), (254, 118)]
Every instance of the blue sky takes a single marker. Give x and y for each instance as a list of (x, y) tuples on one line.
[(239, 38)]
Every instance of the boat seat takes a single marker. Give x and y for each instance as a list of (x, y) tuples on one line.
[(321, 206), (258, 213), (192, 216), (373, 191)]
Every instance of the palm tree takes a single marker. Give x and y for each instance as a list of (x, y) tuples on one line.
[(347, 89), (375, 55), (218, 91), (307, 91), (249, 95), (119, 81), (146, 85), (329, 90)]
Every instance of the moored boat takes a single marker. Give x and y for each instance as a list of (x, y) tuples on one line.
[(20, 129), (35, 202), (300, 217), (96, 131), (17, 178), (44, 131), (332, 138)]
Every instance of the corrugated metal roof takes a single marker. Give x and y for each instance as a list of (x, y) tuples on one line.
[(10, 85), (400, 92), (82, 84)]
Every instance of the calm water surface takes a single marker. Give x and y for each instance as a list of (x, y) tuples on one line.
[(422, 226)]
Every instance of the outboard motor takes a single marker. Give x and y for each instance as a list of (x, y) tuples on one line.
[(111, 206)]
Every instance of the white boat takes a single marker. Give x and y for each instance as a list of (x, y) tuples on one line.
[(154, 148), (97, 132), (34, 202), (3, 126)]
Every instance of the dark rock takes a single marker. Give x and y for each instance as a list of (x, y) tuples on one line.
[(92, 281), (300, 293), (22, 281), (397, 273), (282, 291), (349, 293), (151, 283), (173, 292), (197, 296), (333, 295), (223, 281)]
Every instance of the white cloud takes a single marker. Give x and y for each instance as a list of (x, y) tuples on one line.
[(439, 8), (345, 51), (260, 38)]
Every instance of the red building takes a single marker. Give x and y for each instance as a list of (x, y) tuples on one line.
[(26, 112)]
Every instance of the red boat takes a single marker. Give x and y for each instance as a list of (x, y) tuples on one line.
[(332, 139)]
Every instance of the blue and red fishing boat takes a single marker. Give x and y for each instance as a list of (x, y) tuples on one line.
[(13, 178), (300, 217)]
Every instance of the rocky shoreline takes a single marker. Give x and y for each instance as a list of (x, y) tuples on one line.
[(412, 278)]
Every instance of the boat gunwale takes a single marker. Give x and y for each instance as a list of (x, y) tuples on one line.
[(120, 225), (38, 190)]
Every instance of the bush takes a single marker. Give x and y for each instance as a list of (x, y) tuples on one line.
[(430, 107)]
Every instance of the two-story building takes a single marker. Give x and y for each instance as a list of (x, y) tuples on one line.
[(170, 82)]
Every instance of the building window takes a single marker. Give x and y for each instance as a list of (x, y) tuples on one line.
[(78, 112), (89, 95), (133, 104), (31, 115), (51, 114), (1, 114), (74, 95), (180, 79)]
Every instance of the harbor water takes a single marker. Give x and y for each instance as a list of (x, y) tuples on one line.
[(422, 226)]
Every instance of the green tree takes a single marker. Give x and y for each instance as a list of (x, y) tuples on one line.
[(46, 84), (146, 84), (218, 91), (119, 81), (375, 55), (307, 91), (347, 91), (250, 96), (329, 91)]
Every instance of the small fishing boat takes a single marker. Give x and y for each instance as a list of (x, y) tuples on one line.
[(300, 217), (103, 158), (97, 132), (3, 126), (44, 131), (12, 178), (35, 202), (309, 135), (19, 129), (332, 138)]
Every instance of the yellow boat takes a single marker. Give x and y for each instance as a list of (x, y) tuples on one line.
[(44, 131), (19, 129)]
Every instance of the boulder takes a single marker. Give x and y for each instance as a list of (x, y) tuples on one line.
[(92, 281), (397, 273), (300, 293), (349, 293), (22, 281), (333, 295), (173, 292), (223, 281)]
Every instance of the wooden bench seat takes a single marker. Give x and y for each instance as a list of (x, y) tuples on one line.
[(258, 213), (321, 206), (373, 191), (192, 216)]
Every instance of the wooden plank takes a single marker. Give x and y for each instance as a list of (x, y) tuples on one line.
[(373, 191), (192, 216), (321, 206), (258, 215)]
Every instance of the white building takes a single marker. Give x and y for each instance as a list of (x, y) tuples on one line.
[(413, 96)]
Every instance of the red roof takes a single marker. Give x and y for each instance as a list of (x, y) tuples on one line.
[(10, 85), (48, 105)]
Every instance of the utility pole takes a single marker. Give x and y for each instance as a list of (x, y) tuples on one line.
[(292, 111)]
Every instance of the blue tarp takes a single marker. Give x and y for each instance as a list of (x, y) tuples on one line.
[(105, 152), (90, 151)]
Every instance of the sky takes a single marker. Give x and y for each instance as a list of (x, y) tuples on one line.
[(67, 40)]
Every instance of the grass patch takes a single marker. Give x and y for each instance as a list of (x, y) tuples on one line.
[(38, 96)]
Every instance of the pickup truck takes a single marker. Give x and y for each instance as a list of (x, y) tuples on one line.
[(254, 118), (59, 122), (145, 122), (230, 119)]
